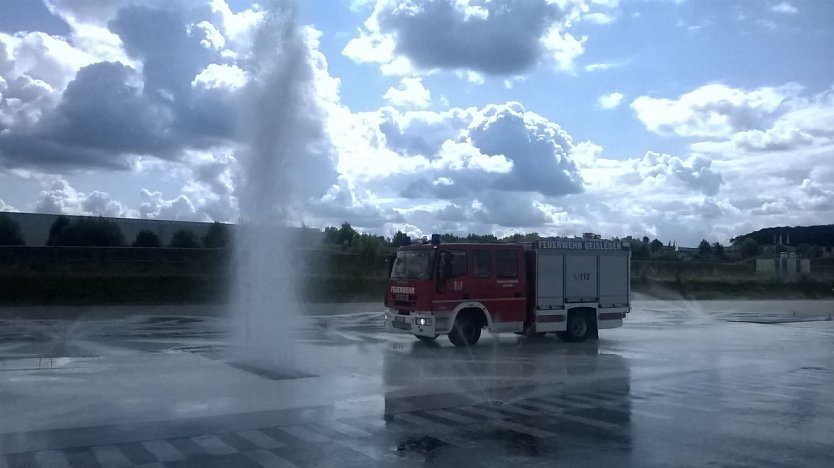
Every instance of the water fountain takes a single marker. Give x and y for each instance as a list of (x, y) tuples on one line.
[(280, 126)]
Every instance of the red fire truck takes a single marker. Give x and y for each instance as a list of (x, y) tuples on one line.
[(572, 287)]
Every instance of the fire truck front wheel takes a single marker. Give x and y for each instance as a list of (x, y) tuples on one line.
[(467, 328)]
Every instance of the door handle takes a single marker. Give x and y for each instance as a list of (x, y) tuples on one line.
[(518, 294)]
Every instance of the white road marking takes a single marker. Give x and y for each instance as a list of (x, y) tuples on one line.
[(345, 429), (532, 431), (305, 434), (583, 420), (260, 439), (51, 459), (482, 412), (269, 459), (419, 421), (163, 450), (436, 429), (452, 416), (213, 445), (110, 456)]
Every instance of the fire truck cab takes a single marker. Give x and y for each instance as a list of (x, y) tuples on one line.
[(572, 287)]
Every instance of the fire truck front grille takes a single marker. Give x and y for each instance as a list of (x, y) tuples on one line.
[(405, 300)]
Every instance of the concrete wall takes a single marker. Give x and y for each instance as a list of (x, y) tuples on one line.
[(766, 266), (35, 227)]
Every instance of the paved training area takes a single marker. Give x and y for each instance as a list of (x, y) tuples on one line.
[(720, 383)]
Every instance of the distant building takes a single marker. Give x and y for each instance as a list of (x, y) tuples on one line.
[(786, 265), (35, 227)]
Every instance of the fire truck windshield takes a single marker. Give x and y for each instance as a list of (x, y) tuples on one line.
[(413, 264)]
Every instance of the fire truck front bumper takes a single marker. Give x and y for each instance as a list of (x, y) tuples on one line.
[(417, 323)]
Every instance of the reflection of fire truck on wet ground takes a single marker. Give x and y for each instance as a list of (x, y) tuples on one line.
[(573, 287)]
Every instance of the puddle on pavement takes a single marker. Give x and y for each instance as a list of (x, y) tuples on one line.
[(270, 374)]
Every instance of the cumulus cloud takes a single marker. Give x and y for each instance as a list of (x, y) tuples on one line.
[(61, 198), (410, 92), (610, 101), (695, 171), (713, 111), (745, 122), (6, 207), (155, 206), (462, 152), (495, 38), (103, 115)]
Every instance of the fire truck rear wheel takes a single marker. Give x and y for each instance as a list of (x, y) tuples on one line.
[(466, 331), (578, 328), (427, 339)]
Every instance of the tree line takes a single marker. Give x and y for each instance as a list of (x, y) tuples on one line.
[(103, 232)]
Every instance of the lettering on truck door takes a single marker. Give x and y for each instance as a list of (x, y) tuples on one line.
[(510, 282)]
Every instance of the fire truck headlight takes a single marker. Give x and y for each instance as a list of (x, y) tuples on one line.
[(424, 321)]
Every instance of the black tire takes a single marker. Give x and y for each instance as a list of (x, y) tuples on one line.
[(579, 328), (466, 332), (427, 339)]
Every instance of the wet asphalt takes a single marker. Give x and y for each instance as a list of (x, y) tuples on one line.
[(719, 383)]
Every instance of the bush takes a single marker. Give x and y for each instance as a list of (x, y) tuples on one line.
[(10, 231), (146, 239), (184, 239)]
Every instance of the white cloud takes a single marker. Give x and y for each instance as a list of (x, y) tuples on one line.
[(610, 101), (713, 111), (409, 93), (155, 206), (784, 8), (598, 18), (486, 37), (61, 198), (6, 207), (225, 76)]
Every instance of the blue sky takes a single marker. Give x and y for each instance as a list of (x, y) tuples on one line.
[(674, 119)]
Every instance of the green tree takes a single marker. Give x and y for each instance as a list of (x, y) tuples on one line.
[(718, 250), (704, 249), (146, 239), (749, 248), (655, 246), (399, 239), (218, 236), (346, 235), (184, 239), (639, 250), (10, 231)]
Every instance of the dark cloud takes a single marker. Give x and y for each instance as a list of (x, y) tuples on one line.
[(103, 116), (435, 35), (109, 112), (500, 37), (174, 51)]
